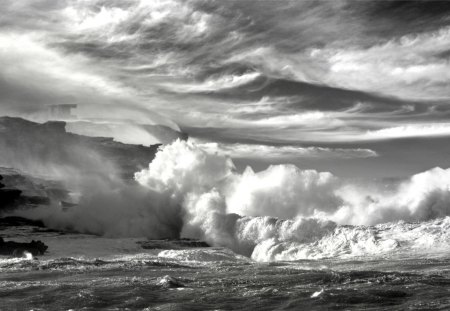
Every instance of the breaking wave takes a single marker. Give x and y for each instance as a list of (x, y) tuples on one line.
[(348, 241), (281, 213)]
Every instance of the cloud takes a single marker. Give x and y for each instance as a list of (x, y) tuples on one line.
[(34, 76), (223, 82), (402, 67), (45, 71), (412, 130), (272, 73), (283, 152)]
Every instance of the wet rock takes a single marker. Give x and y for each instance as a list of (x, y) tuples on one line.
[(11, 248), (9, 196), (172, 244), (21, 253), (25, 144), (169, 282), (14, 221)]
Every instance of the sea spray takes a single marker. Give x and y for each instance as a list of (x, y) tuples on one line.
[(280, 213), (185, 171), (228, 209)]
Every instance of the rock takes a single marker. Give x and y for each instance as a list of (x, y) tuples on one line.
[(11, 197), (172, 244), (50, 144), (17, 249), (21, 253), (28, 225), (169, 282), (8, 197), (11, 221)]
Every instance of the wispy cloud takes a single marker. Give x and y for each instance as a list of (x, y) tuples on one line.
[(412, 130), (287, 72), (283, 152), (402, 67)]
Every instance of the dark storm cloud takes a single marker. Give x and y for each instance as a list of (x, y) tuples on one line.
[(403, 17)]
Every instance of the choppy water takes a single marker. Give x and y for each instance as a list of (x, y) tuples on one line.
[(83, 272)]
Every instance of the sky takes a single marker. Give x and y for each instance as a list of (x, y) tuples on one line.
[(357, 88)]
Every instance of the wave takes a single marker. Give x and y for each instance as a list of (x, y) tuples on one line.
[(230, 209), (202, 256), (400, 239), (281, 213), (88, 264)]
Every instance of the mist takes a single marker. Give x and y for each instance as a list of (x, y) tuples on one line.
[(191, 193)]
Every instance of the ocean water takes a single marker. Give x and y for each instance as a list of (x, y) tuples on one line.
[(87, 272), (281, 239)]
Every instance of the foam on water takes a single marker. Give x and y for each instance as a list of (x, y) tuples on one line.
[(409, 239), (202, 255)]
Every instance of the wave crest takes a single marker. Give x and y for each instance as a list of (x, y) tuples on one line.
[(227, 208)]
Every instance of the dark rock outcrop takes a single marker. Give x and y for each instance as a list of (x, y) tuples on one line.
[(28, 226), (169, 282), (39, 148), (14, 221), (172, 244), (11, 197), (17, 249), (8, 196)]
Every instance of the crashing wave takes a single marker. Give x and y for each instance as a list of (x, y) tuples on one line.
[(352, 241), (189, 192), (213, 197)]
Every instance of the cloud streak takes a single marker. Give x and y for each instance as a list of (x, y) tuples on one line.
[(269, 153)]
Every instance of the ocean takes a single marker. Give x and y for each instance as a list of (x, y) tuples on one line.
[(88, 272)]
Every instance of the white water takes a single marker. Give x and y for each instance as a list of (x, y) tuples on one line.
[(282, 213)]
